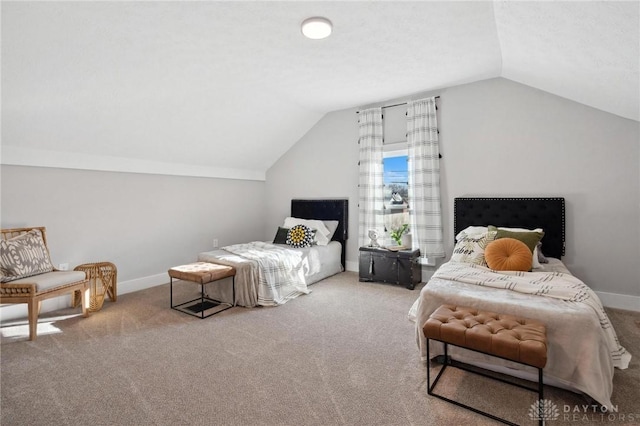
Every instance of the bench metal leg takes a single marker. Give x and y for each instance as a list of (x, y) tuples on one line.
[(202, 299), (540, 398), (447, 362)]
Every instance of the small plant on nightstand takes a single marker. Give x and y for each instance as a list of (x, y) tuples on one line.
[(396, 233)]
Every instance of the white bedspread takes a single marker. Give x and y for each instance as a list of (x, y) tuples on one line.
[(316, 263), (280, 273), (582, 345)]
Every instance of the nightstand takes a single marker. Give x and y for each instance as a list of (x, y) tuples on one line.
[(394, 267)]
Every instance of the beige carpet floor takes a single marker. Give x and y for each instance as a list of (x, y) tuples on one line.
[(343, 355)]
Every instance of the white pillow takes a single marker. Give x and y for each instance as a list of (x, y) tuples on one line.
[(520, 229), (321, 230), (331, 225), (472, 231), (535, 262)]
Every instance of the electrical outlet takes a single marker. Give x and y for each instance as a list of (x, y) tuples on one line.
[(427, 261), (63, 266), (215, 243)]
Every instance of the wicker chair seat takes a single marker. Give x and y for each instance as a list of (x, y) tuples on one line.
[(50, 281)]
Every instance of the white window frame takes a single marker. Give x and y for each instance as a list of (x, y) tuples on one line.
[(399, 149)]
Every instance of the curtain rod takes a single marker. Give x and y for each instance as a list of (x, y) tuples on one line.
[(395, 105)]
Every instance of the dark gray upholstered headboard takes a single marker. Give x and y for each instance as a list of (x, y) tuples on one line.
[(326, 209), (530, 213)]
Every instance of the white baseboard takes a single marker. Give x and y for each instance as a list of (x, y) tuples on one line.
[(12, 312), (138, 284), (352, 266), (619, 301)]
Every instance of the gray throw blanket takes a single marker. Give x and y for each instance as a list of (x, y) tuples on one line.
[(280, 271)]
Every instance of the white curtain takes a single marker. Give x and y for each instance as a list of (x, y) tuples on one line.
[(424, 178), (370, 194)]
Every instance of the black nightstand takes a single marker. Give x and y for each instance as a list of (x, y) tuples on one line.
[(395, 267)]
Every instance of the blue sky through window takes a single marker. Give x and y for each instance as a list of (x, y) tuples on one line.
[(395, 170), (396, 179)]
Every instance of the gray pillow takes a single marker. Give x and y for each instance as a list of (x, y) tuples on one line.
[(541, 257), (281, 236), (24, 256), (331, 225)]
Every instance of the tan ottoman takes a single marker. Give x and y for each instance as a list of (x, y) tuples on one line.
[(202, 273), (508, 337)]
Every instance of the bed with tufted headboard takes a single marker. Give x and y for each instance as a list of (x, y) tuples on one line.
[(270, 273), (582, 345)]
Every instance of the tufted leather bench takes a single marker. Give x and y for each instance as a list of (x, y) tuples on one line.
[(202, 273), (505, 336)]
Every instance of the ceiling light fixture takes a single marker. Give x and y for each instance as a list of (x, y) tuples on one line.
[(316, 28)]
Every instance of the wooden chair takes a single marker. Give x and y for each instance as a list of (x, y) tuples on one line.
[(34, 289)]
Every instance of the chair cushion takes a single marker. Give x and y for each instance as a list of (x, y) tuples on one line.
[(52, 280), (23, 256)]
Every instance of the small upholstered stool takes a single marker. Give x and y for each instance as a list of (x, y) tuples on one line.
[(202, 273), (504, 336)]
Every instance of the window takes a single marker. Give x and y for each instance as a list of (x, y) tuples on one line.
[(395, 173), (396, 186), (420, 212)]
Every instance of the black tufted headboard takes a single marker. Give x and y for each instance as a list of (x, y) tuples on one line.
[(326, 209), (530, 213)]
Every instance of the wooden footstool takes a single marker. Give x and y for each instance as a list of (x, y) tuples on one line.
[(202, 273), (504, 336)]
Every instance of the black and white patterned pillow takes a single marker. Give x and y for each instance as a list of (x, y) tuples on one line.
[(300, 236), (24, 256)]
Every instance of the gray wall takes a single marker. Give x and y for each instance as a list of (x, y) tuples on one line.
[(323, 164), (143, 223), (501, 138)]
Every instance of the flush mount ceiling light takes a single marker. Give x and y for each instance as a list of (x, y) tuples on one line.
[(316, 28)]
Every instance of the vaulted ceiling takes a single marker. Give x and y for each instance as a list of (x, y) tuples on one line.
[(225, 88)]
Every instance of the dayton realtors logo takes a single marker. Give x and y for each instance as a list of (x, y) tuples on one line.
[(546, 410), (597, 413), (543, 409)]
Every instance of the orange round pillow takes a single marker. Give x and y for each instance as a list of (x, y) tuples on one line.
[(508, 254)]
